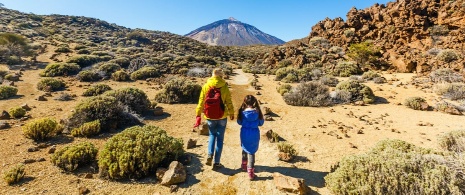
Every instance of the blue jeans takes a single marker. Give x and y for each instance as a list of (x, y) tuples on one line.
[(216, 129)]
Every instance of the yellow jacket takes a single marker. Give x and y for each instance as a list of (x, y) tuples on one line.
[(217, 82)]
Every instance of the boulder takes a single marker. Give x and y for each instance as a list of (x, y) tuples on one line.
[(160, 173), (26, 107), (448, 110), (41, 98), (4, 125), (176, 174), (4, 115), (290, 184), (191, 143)]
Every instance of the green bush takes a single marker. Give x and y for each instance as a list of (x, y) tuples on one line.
[(120, 75), (13, 60), (370, 75), (179, 90), (17, 112), (62, 49), (285, 147), (84, 60), (71, 157), (145, 72), (14, 174), (12, 77), (363, 53), (390, 169), (40, 129), (7, 92), (50, 84), (311, 93), (346, 69), (453, 141), (109, 68), (447, 55), (60, 69), (136, 99), (88, 129), (137, 152), (357, 90), (88, 76), (122, 62), (445, 75), (283, 89), (285, 72), (97, 89), (416, 103)]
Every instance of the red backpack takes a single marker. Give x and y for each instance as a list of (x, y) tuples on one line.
[(214, 106)]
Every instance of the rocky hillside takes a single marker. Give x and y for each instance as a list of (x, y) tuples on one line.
[(230, 32), (411, 35)]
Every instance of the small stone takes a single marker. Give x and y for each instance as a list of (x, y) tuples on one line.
[(5, 115), (83, 190), (40, 159), (203, 130), (311, 150), (351, 145), (28, 161), (52, 149), (41, 98), (88, 176), (4, 125), (158, 111), (174, 188), (258, 93), (290, 184), (33, 149), (360, 131), (42, 145), (24, 118), (176, 174), (26, 107), (191, 143)]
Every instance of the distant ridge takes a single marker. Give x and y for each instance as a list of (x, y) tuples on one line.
[(232, 32)]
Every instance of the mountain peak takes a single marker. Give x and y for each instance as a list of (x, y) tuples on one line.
[(229, 32)]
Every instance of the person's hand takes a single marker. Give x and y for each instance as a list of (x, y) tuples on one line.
[(198, 119), (231, 116)]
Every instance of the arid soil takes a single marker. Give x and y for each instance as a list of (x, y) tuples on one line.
[(313, 132)]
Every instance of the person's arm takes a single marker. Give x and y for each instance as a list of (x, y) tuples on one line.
[(199, 109)]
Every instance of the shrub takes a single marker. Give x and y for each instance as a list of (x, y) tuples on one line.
[(445, 75), (13, 60), (447, 55), (282, 89), (107, 109), (12, 77), (379, 80), (136, 99), (363, 52), (50, 84), (284, 72), (109, 68), (179, 90), (40, 129), (122, 62), (285, 147), (84, 60), (290, 78), (63, 49), (416, 103), (137, 152), (439, 30), (357, 90), (336, 50), (88, 129), (388, 169), (14, 174), (453, 141), (88, 76), (7, 92), (145, 72), (434, 51), (64, 97), (17, 112), (329, 81), (60, 69), (319, 41), (96, 90), (120, 75), (456, 91), (310, 93), (70, 158), (370, 75), (346, 69), (349, 33)]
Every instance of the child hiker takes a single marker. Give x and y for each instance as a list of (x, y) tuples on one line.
[(249, 117)]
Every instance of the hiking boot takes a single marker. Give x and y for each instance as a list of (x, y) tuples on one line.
[(244, 165), (217, 166), (209, 160), (251, 173)]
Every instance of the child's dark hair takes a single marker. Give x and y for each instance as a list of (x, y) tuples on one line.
[(250, 100)]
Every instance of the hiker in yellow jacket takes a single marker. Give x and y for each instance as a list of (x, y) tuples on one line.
[(216, 127)]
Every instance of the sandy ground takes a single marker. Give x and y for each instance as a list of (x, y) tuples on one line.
[(306, 128)]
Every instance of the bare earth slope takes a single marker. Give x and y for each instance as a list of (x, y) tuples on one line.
[(307, 128)]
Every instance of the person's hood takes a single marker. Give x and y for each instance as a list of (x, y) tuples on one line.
[(250, 114), (216, 81)]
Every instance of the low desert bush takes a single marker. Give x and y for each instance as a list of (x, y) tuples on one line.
[(97, 89), (379, 80), (282, 73), (288, 148), (357, 90), (109, 68), (439, 30), (120, 75), (71, 157), (311, 93), (445, 75), (84, 60), (179, 90), (416, 103), (395, 167), (12, 77), (329, 80), (283, 89), (14, 174), (88, 76), (64, 97), (60, 69), (135, 99), (346, 69), (7, 92), (370, 75), (50, 84), (341, 97), (88, 129), (453, 91), (137, 152), (145, 72), (40, 129), (453, 141), (122, 61), (17, 112), (319, 41), (62, 49), (447, 55)]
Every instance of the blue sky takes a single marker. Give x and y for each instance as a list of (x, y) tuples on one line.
[(285, 19)]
